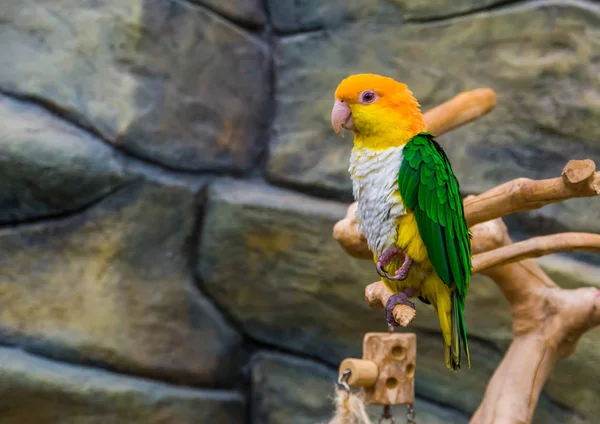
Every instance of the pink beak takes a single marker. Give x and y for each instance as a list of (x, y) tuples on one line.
[(341, 117)]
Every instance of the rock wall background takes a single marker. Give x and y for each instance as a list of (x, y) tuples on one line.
[(169, 182)]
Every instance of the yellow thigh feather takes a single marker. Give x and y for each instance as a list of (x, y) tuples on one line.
[(422, 275), (409, 238)]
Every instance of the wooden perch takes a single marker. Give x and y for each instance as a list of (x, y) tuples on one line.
[(578, 180), (537, 247), (346, 232), (547, 323), (460, 110), (547, 320), (377, 296)]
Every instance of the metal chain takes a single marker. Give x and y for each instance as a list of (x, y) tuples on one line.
[(386, 417), (410, 414)]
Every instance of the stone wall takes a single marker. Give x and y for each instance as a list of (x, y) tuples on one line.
[(169, 182)]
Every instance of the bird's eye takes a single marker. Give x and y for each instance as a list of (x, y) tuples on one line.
[(368, 97)]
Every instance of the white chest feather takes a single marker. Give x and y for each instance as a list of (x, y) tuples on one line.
[(375, 187)]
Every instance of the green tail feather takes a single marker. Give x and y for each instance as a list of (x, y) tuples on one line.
[(459, 337)]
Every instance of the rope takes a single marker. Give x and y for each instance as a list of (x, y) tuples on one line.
[(349, 408)]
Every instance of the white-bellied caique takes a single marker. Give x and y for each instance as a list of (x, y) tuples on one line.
[(409, 205)]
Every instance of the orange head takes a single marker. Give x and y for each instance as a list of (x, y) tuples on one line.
[(380, 111)]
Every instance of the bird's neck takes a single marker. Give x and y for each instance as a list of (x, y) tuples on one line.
[(393, 134)]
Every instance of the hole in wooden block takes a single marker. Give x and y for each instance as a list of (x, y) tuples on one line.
[(399, 353), (391, 383), (410, 370)]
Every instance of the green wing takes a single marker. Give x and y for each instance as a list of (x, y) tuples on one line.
[(428, 187)]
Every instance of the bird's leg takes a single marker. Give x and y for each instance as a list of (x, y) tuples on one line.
[(398, 299), (386, 257)]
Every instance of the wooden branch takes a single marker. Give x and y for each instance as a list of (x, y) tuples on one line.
[(346, 232), (547, 322), (488, 236), (513, 391), (460, 110), (578, 180), (537, 247), (377, 296)]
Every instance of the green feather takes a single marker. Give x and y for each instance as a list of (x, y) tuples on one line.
[(433, 204), (422, 196), (410, 182), (416, 159), (450, 220), (441, 213)]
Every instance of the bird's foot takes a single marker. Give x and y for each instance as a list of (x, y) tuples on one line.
[(386, 257), (397, 299)]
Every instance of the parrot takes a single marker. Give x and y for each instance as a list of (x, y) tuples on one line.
[(409, 206)]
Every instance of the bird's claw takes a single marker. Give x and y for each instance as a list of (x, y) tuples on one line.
[(382, 273), (396, 299), (398, 276), (386, 258)]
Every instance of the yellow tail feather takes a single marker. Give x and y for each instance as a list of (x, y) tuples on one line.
[(442, 299)]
